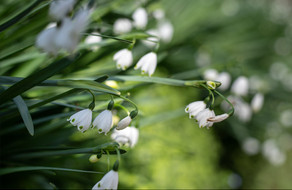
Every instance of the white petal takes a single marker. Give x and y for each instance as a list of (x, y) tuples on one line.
[(122, 26), (103, 121), (140, 18), (257, 102), (109, 181), (240, 86), (124, 123), (60, 8)]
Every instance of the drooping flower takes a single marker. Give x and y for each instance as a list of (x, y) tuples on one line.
[(158, 14), (46, 41), (92, 40), (240, 86), (124, 123), (60, 8), (203, 117), (128, 136), (165, 30), (81, 119), (70, 31), (210, 74), (243, 111), (109, 181), (218, 118), (225, 80), (147, 63), (153, 40), (194, 108), (257, 102), (124, 59), (122, 26), (103, 121), (140, 18)]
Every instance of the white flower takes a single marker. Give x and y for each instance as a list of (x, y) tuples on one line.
[(128, 136), (70, 31), (240, 86), (124, 123), (158, 14), (151, 41), (251, 146), (124, 59), (122, 26), (92, 40), (140, 18), (218, 118), (210, 74), (257, 102), (225, 80), (194, 108), (103, 121), (109, 181), (147, 63), (203, 117), (60, 8), (165, 30), (81, 119), (46, 41), (66, 37), (242, 110)]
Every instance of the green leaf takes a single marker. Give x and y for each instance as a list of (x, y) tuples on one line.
[(33, 168), (19, 16), (26, 117), (34, 79), (88, 84)]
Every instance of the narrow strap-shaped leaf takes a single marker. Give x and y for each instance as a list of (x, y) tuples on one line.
[(19, 16), (5, 171), (81, 84), (26, 117), (34, 79)]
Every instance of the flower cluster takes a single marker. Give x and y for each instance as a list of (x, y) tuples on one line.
[(148, 63), (103, 122), (240, 88), (203, 115), (65, 35)]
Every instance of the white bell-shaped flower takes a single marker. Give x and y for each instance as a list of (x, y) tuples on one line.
[(103, 121), (203, 117), (158, 14), (128, 136), (60, 8), (46, 41), (152, 41), (122, 26), (225, 80), (165, 30), (109, 181), (218, 118), (194, 108), (147, 63), (93, 40), (124, 123), (140, 18), (81, 119), (210, 74), (257, 102), (66, 38), (70, 31), (243, 111), (240, 86), (124, 59)]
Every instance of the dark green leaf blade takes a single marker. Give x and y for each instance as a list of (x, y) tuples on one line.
[(34, 79), (26, 117)]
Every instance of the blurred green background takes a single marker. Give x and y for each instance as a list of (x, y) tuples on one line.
[(251, 38)]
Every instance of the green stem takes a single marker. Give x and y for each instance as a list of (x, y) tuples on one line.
[(210, 93), (230, 113), (111, 37)]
